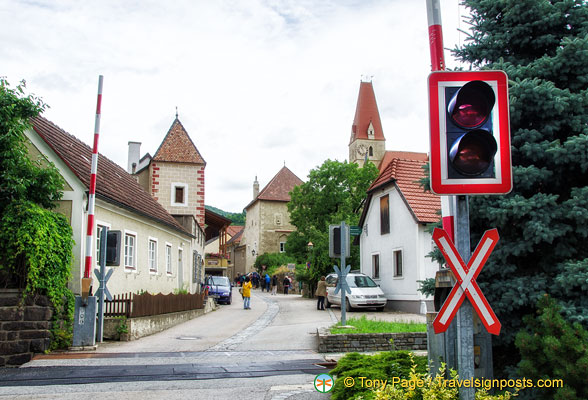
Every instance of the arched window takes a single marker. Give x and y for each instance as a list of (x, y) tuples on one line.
[(371, 151)]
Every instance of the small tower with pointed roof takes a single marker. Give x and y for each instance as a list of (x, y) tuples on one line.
[(367, 137), (176, 174)]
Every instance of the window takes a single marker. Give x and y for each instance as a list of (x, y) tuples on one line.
[(397, 263), (371, 151), (130, 241), (282, 247), (179, 194), (168, 265), (152, 255), (376, 266), (384, 215)]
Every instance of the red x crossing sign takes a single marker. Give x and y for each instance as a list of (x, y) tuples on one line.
[(466, 281)]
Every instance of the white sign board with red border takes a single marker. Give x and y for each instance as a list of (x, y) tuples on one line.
[(466, 281), (440, 182)]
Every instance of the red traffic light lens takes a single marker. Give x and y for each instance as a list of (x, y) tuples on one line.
[(472, 104), (473, 152)]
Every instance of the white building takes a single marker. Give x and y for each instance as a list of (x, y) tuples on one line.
[(394, 240)]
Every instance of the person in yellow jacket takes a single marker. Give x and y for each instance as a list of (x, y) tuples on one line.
[(247, 294)]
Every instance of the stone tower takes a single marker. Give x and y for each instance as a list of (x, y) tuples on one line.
[(367, 137), (177, 174)]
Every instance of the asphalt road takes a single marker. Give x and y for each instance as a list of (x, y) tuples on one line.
[(268, 352)]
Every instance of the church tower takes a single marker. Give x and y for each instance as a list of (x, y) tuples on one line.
[(367, 137)]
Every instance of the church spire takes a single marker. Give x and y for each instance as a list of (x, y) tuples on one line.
[(367, 124)]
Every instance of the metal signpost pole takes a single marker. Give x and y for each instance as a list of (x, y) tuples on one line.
[(343, 274), (102, 276), (465, 325)]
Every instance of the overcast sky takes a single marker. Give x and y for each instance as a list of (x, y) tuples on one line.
[(257, 82)]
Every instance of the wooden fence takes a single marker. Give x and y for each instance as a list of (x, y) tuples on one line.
[(142, 305)]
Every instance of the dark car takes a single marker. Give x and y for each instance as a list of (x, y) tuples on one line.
[(220, 288)]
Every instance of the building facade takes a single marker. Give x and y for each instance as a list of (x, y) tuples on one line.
[(157, 252), (267, 221)]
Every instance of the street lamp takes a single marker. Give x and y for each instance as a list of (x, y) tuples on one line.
[(310, 245)]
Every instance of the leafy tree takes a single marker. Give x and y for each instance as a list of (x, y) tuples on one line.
[(20, 177), (552, 348), (543, 223), (35, 243), (236, 218), (334, 192), (272, 261)]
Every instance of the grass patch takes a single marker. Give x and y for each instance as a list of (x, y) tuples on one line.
[(364, 325)]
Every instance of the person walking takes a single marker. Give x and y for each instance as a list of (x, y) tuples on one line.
[(321, 293), (247, 294), (267, 280), (286, 284), (274, 285)]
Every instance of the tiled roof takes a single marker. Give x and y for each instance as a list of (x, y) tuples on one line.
[(232, 230), (113, 184), (237, 238), (405, 174), (366, 111), (405, 155), (178, 147), (279, 188)]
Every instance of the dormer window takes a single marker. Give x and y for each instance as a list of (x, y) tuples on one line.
[(370, 131)]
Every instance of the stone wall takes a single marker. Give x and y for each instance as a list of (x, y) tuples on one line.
[(24, 329), (145, 326), (364, 342)]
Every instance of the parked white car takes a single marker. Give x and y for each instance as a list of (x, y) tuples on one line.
[(365, 293)]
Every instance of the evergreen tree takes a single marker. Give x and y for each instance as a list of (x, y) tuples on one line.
[(543, 47), (552, 348)]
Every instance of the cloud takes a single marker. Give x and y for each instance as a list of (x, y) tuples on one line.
[(256, 82)]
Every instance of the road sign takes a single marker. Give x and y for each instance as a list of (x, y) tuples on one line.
[(470, 133), (466, 281), (342, 279), (355, 230), (103, 282)]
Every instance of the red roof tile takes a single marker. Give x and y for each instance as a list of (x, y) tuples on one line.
[(232, 230), (366, 111), (113, 184), (237, 238), (279, 188), (405, 174), (178, 147)]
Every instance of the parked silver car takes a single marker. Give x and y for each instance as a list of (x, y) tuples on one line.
[(365, 293)]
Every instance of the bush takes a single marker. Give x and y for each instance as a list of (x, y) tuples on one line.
[(383, 366)]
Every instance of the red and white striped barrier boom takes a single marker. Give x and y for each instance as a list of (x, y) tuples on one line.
[(87, 280), (438, 64)]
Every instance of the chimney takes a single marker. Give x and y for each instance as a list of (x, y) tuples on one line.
[(134, 156), (255, 188)]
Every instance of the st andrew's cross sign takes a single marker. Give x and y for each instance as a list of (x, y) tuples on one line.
[(466, 281)]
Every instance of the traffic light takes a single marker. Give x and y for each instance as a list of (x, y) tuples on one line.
[(470, 136), (335, 241), (113, 248)]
